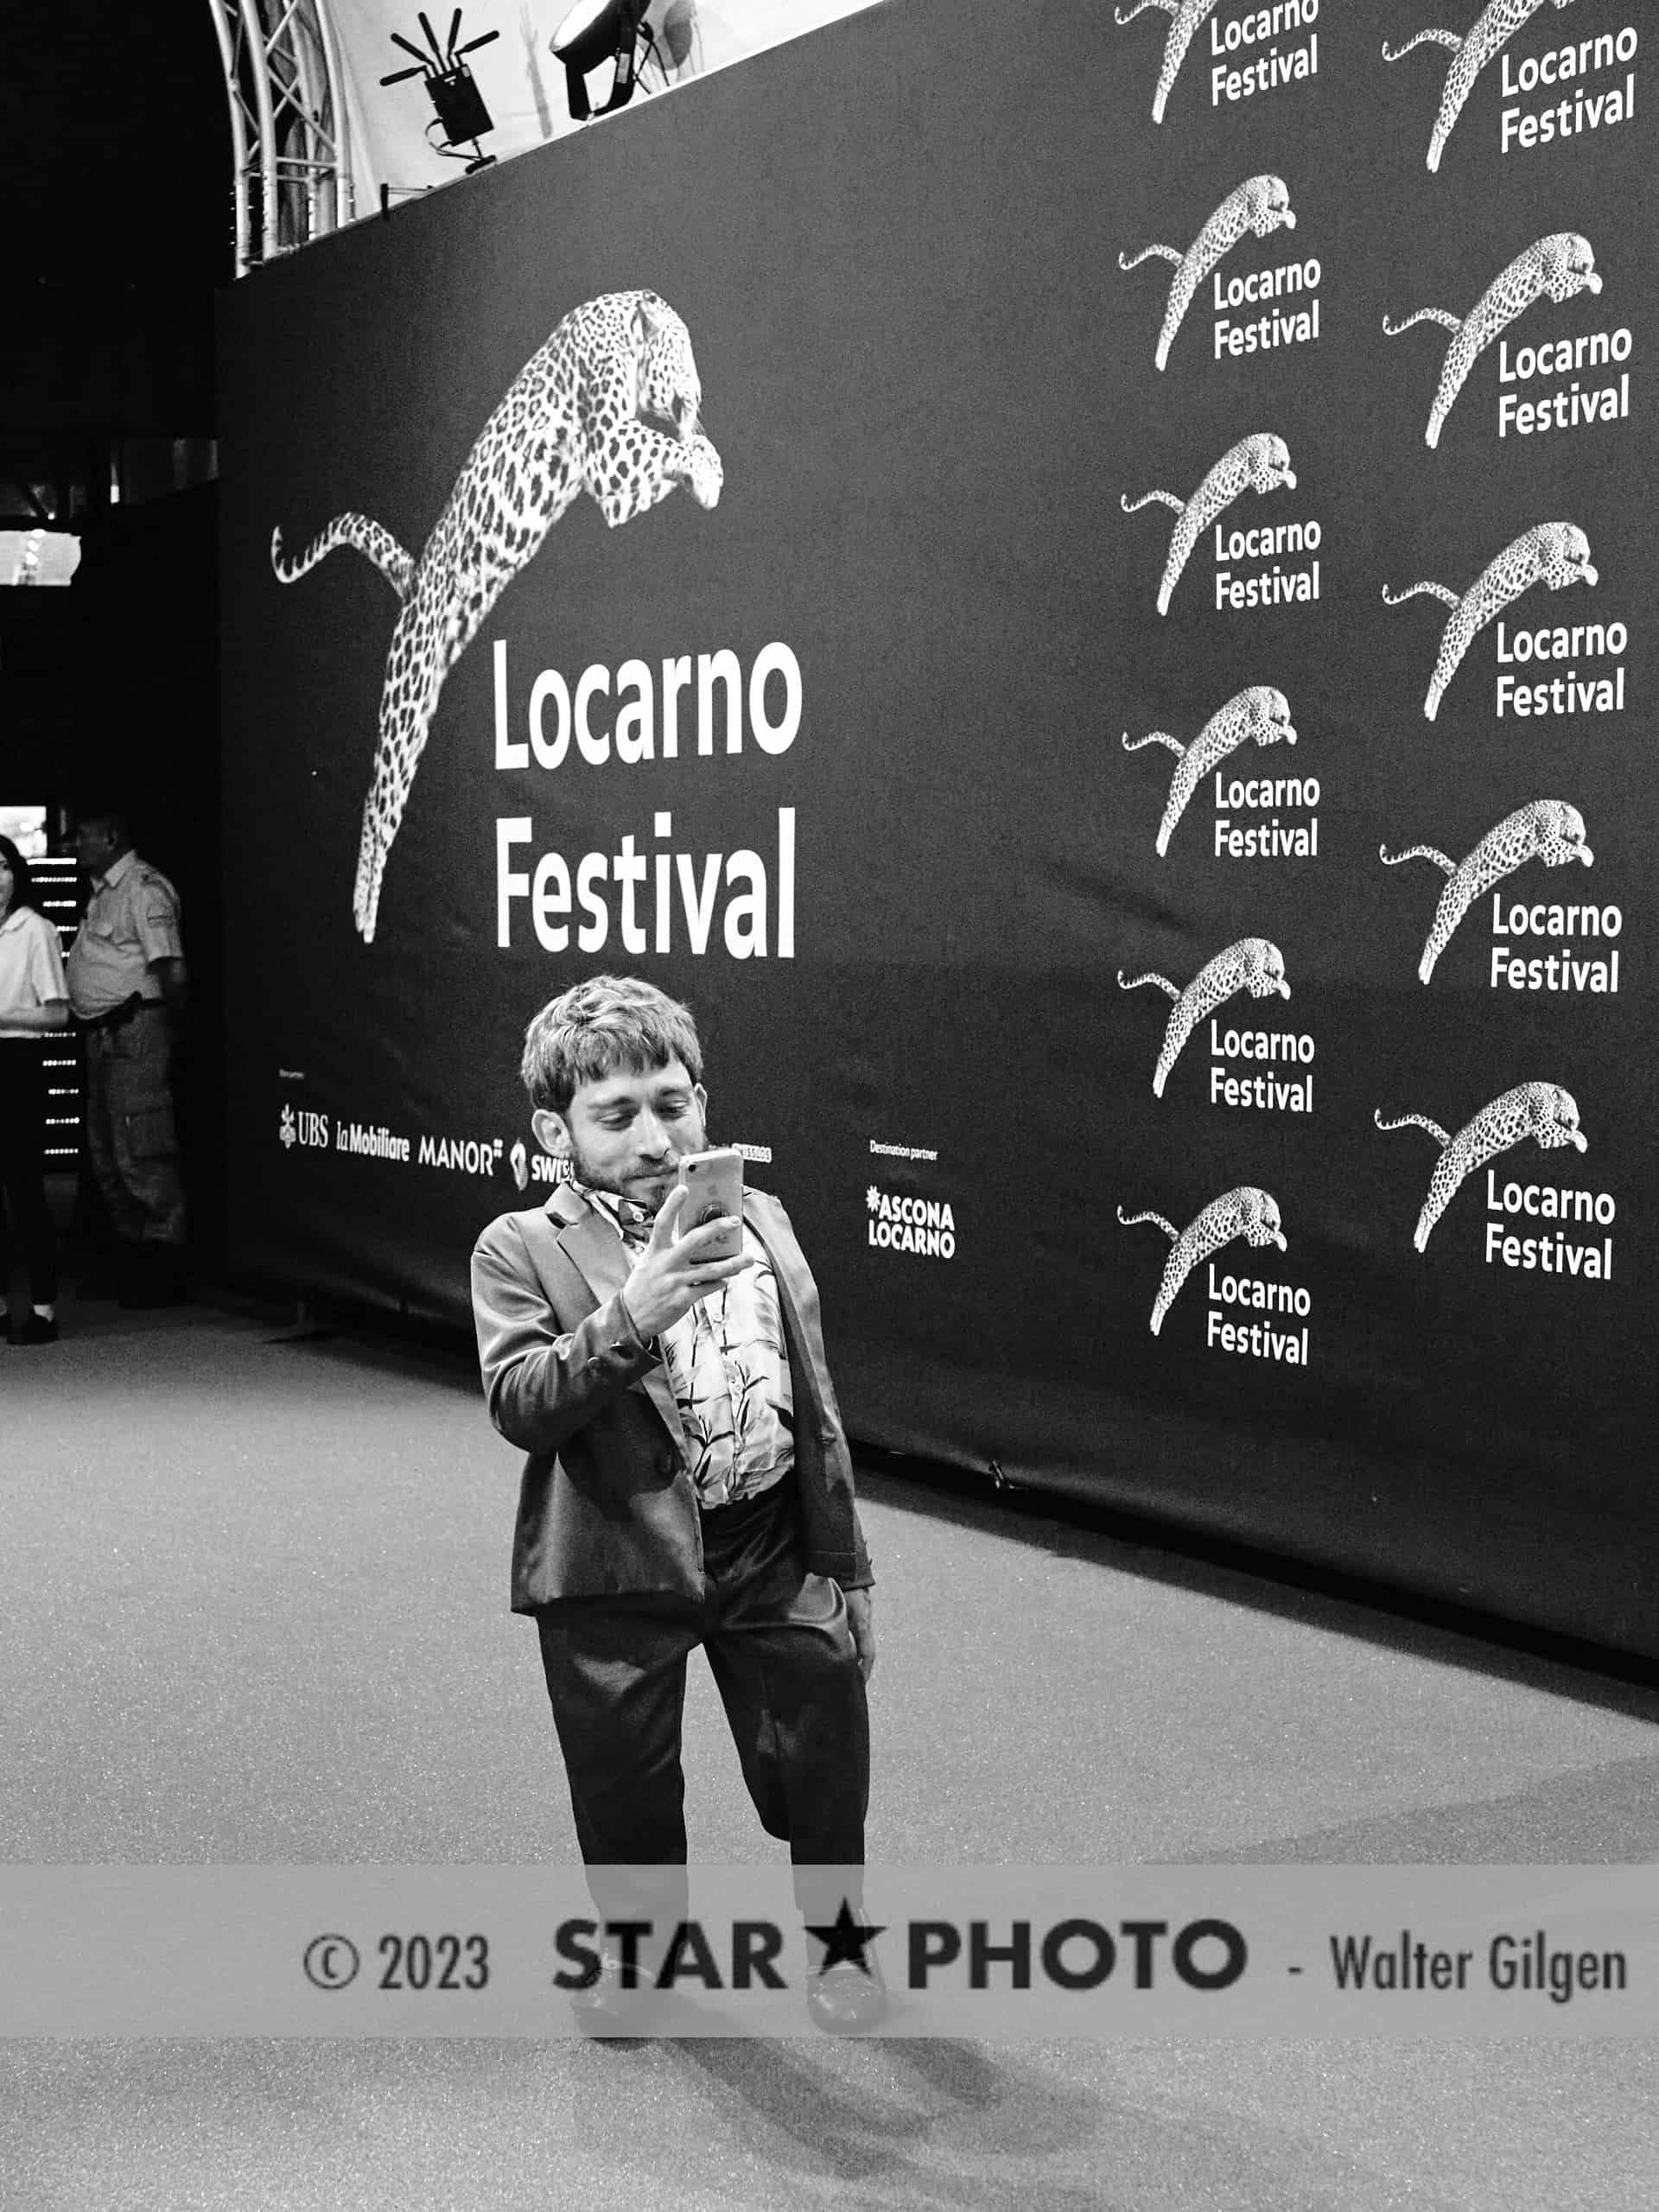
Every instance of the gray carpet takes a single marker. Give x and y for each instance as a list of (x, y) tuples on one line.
[(253, 1608)]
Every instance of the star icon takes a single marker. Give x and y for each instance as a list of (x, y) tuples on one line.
[(844, 1941), (872, 1198)]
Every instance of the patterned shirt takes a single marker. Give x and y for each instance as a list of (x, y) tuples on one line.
[(727, 1367)]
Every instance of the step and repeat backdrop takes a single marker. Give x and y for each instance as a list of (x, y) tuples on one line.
[(1082, 586)]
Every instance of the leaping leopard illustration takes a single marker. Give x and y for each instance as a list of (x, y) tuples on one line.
[(1260, 463), (1246, 1212), (1187, 16), (1555, 553), (1253, 965), (1260, 712), (1493, 28), (1548, 830), (610, 405), (1260, 204), (1559, 266), (1542, 1111)]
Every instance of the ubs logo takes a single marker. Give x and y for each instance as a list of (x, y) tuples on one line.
[(307, 1126)]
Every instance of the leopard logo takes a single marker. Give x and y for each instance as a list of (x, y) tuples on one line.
[(1186, 18), (1260, 463), (1555, 554), (1247, 1211), (610, 405), (1493, 28), (1260, 204), (1542, 1111), (1261, 713), (1558, 268), (1548, 830), (1253, 964)]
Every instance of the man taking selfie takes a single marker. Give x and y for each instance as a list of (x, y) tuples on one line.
[(687, 1480)]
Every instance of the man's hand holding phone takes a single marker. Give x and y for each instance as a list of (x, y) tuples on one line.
[(674, 1272)]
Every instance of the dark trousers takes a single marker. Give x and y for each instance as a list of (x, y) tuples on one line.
[(131, 1139), (782, 1655), (22, 1149)]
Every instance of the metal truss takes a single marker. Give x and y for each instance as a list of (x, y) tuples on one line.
[(289, 131)]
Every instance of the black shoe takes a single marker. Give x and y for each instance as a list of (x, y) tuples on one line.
[(607, 2008), (37, 1330), (845, 2000)]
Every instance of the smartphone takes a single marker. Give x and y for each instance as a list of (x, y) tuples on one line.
[(715, 1182)]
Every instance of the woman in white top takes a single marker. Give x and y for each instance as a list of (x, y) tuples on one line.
[(34, 1000)]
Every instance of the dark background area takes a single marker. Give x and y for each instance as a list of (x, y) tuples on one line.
[(116, 180), (114, 149)]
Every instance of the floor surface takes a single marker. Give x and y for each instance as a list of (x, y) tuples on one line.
[(253, 1608)]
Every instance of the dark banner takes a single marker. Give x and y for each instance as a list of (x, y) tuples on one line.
[(1076, 587)]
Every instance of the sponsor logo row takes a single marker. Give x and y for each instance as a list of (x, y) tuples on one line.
[(900, 1221), (1531, 1228), (309, 1126)]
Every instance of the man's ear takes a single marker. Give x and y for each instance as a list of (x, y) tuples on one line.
[(552, 1134)]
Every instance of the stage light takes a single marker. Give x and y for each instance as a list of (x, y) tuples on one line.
[(678, 29), (461, 114), (597, 31)]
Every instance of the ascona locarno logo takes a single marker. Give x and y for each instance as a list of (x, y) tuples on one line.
[(925, 1226)]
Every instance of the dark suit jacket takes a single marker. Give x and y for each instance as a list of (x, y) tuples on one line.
[(607, 1503)]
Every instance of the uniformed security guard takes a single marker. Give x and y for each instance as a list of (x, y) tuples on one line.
[(130, 993)]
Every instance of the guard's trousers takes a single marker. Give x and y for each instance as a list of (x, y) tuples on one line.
[(131, 1135), (781, 1651)]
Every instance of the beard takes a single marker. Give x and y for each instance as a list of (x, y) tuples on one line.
[(596, 1177)]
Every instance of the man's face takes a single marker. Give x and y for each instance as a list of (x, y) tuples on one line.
[(627, 1132), (95, 846)]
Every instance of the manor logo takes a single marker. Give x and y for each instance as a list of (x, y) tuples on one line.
[(462, 1155), (925, 1226)]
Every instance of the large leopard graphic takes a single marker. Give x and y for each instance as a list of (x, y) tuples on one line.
[(1187, 16), (1258, 463), (1246, 1212), (610, 406), (1494, 27), (1260, 712), (1542, 1111), (1260, 204), (1555, 553), (1548, 830), (1253, 965), (1559, 266)]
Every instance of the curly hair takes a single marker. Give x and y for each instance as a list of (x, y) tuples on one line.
[(595, 1029)]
